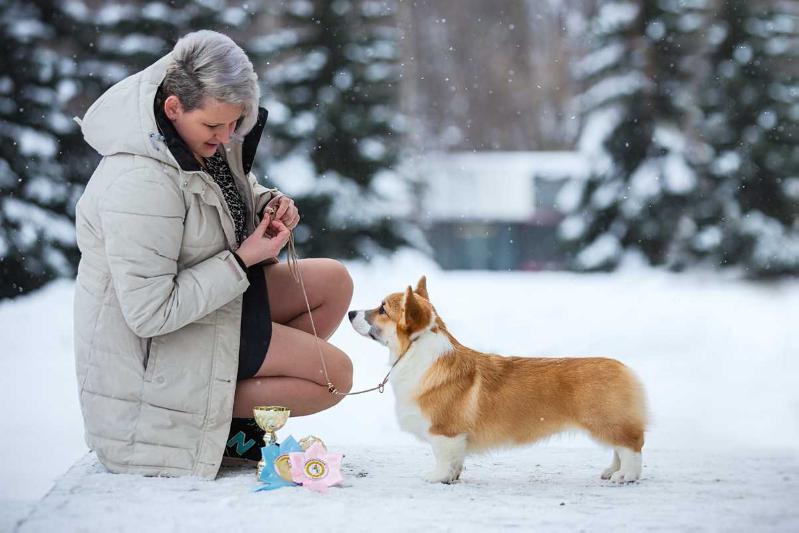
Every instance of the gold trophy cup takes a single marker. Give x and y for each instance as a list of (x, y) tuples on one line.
[(270, 418)]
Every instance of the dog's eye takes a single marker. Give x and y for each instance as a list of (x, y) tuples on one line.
[(382, 310)]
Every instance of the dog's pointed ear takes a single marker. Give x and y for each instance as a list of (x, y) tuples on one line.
[(421, 288), (413, 313)]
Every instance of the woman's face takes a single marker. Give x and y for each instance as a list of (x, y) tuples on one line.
[(206, 127)]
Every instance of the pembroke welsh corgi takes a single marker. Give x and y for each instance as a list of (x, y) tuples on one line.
[(461, 401)]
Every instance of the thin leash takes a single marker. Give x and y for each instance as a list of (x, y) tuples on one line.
[(296, 272)]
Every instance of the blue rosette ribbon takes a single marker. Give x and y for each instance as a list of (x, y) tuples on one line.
[(270, 478)]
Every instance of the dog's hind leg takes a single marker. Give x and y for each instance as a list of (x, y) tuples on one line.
[(449, 453), (613, 468), (627, 441)]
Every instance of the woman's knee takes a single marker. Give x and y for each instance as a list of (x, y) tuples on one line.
[(339, 278), (341, 371)]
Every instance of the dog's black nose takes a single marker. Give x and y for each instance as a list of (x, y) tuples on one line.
[(352, 314)]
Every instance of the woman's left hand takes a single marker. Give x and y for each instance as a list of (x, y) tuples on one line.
[(285, 211)]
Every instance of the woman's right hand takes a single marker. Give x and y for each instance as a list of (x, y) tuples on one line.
[(265, 242)]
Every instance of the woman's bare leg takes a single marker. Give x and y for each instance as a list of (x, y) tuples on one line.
[(291, 374), (329, 289)]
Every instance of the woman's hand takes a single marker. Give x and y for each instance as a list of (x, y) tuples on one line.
[(285, 211), (266, 241)]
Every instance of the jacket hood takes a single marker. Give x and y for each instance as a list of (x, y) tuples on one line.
[(123, 120)]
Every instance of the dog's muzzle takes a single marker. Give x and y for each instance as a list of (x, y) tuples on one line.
[(359, 324)]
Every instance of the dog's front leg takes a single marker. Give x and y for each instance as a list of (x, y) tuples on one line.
[(449, 453)]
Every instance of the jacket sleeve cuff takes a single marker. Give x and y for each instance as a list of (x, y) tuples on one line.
[(269, 261), (240, 261), (232, 260), (276, 195)]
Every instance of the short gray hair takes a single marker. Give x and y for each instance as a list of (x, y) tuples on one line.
[(210, 64)]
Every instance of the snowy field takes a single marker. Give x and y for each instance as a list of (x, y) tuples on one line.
[(719, 358)]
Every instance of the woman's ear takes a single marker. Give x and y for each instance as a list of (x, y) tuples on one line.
[(172, 107)]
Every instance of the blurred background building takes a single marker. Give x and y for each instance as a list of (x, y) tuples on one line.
[(529, 134), (473, 222)]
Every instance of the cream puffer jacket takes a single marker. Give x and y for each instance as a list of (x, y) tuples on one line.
[(158, 296)]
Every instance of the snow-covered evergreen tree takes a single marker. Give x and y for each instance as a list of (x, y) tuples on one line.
[(750, 213), (37, 191), (128, 35), (58, 58), (636, 106), (334, 76)]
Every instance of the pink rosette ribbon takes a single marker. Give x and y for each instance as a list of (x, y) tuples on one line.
[(315, 468)]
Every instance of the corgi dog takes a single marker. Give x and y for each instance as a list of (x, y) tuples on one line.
[(462, 401)]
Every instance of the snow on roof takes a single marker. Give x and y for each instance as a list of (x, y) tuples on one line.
[(490, 185)]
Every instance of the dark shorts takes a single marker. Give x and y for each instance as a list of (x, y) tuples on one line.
[(256, 324)]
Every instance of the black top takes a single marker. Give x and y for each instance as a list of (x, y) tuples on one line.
[(220, 171)]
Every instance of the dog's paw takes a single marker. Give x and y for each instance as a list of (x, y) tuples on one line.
[(439, 476), (608, 472), (620, 476)]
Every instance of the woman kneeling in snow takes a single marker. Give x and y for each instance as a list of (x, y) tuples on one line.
[(184, 318)]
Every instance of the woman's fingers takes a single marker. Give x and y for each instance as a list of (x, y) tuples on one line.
[(291, 217), (284, 209), (280, 227), (283, 204), (280, 235), (263, 226)]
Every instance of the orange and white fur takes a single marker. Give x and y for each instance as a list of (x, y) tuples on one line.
[(462, 401)]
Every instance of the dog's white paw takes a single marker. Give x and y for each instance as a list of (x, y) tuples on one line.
[(630, 466), (608, 472), (442, 476), (613, 468), (622, 476)]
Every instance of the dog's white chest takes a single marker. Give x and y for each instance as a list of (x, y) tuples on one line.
[(406, 387), (407, 377)]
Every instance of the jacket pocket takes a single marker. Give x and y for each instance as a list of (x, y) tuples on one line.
[(149, 360)]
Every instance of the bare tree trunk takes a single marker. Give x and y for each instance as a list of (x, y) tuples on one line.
[(488, 76)]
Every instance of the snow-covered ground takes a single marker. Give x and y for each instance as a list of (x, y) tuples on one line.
[(719, 358), (548, 488)]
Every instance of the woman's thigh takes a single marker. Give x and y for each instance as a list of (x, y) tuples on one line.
[(326, 282), (294, 353)]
